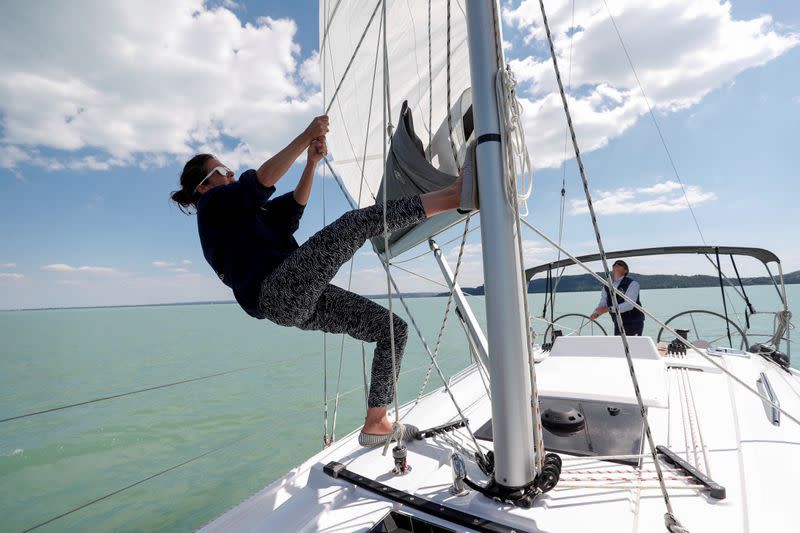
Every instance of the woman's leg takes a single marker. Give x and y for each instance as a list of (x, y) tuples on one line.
[(341, 311), (290, 291)]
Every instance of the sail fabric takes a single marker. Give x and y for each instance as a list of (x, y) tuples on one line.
[(355, 82), (408, 171)]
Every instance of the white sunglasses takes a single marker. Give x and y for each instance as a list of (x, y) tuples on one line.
[(224, 171)]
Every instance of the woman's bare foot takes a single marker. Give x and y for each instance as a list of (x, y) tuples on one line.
[(376, 422), (442, 200)]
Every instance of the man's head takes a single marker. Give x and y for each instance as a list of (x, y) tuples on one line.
[(620, 269)]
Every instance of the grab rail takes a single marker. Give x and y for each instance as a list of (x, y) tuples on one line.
[(763, 380)]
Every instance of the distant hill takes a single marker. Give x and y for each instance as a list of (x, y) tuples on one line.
[(585, 282)]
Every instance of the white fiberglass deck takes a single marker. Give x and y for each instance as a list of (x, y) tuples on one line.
[(688, 400)]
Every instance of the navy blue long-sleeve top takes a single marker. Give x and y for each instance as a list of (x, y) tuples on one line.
[(245, 235)]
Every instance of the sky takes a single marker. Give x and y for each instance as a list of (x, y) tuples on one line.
[(101, 103)]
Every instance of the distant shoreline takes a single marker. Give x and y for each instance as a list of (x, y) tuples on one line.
[(578, 283)]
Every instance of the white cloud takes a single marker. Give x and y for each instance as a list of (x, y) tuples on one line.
[(163, 264), (659, 198), (179, 270), (68, 282), (682, 50), (62, 267), (186, 262), (10, 276), (660, 188), (8, 265), (310, 70), (147, 85)]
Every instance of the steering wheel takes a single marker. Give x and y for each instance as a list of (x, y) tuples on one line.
[(707, 326), (574, 324)]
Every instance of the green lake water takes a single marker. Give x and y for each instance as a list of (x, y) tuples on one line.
[(271, 412)]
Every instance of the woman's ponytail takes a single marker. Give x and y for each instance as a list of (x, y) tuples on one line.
[(193, 173)]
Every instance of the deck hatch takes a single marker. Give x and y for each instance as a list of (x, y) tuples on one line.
[(395, 522), (609, 428)]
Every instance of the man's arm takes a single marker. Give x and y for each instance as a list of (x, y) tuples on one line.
[(275, 167), (601, 307)]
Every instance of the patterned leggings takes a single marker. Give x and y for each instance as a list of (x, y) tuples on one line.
[(298, 293)]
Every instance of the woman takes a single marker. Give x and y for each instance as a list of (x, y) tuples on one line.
[(247, 239)]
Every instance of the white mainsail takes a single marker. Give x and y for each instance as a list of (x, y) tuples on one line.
[(354, 78)]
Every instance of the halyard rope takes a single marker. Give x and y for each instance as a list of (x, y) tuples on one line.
[(397, 425), (362, 169)]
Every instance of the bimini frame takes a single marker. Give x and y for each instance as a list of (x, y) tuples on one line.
[(765, 256)]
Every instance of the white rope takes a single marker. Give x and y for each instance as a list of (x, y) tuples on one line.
[(397, 425), (518, 174), (683, 397), (352, 259), (571, 485), (516, 161), (325, 440), (703, 448)]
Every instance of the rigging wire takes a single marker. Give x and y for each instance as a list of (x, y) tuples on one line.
[(353, 57), (420, 276), (663, 141), (446, 310), (563, 200), (670, 516), (147, 389), (436, 366), (655, 122), (194, 458), (423, 254)]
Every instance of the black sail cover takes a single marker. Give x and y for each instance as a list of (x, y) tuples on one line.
[(408, 172)]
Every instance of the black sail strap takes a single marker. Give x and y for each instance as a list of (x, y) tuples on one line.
[(724, 301), (548, 281), (750, 310)]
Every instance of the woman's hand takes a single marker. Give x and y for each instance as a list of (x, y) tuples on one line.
[(317, 150), (318, 128)]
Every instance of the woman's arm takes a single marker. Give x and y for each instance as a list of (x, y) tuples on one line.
[(316, 151), (275, 167)]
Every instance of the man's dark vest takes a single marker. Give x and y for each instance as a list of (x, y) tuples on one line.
[(634, 316)]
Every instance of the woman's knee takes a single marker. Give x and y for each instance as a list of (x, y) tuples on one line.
[(400, 328)]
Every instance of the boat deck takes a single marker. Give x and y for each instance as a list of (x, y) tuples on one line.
[(688, 401)]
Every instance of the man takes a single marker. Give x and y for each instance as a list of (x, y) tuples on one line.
[(632, 318)]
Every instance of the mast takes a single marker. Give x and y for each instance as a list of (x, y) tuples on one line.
[(515, 461)]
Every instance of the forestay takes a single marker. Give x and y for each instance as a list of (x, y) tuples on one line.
[(356, 81)]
